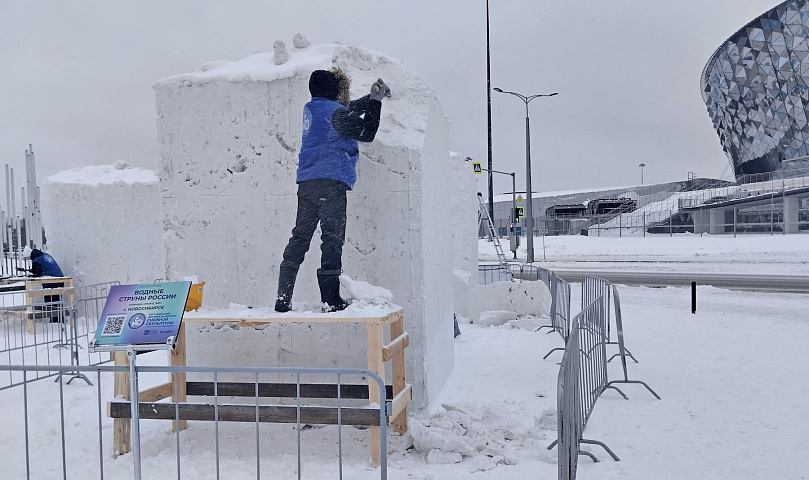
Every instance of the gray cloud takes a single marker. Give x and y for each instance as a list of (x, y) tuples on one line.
[(77, 75)]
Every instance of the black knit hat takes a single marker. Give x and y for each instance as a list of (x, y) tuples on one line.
[(323, 83)]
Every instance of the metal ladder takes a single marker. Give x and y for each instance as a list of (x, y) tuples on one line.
[(483, 215)]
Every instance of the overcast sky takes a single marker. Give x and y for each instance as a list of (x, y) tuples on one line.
[(77, 75)]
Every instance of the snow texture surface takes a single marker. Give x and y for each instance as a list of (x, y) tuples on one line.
[(103, 223), (464, 233), (229, 135)]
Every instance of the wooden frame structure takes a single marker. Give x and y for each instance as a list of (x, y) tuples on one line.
[(34, 289), (398, 394)]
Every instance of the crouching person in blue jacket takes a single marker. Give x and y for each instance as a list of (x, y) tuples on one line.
[(43, 265), (327, 168)]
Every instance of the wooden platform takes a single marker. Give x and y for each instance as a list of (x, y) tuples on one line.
[(398, 394)]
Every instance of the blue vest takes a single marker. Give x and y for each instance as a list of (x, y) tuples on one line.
[(324, 152)]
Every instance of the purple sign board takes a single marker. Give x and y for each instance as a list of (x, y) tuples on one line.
[(145, 314)]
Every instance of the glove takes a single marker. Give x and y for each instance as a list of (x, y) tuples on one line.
[(379, 90)]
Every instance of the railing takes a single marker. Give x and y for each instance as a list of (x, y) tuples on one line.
[(50, 332), (55, 436), (560, 307), (491, 273), (582, 380)]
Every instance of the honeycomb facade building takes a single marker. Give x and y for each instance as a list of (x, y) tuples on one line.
[(756, 88)]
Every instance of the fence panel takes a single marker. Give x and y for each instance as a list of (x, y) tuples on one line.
[(492, 273), (34, 330), (568, 422), (55, 436)]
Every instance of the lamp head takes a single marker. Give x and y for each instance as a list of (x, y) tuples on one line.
[(497, 90)]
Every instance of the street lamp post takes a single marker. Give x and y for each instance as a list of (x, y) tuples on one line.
[(641, 172), (489, 110), (529, 223)]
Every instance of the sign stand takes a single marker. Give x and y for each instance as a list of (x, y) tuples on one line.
[(140, 318)]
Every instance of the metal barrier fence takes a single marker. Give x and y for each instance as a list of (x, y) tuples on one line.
[(567, 408), (34, 331), (622, 352), (87, 308), (583, 378), (531, 272), (491, 273), (50, 331), (560, 307), (58, 436), (593, 287)]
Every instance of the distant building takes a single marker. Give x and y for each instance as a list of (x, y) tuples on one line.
[(756, 88)]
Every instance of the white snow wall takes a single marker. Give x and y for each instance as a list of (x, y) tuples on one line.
[(463, 192), (101, 231), (228, 155)]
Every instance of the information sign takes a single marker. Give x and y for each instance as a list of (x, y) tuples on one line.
[(145, 315), (477, 168)]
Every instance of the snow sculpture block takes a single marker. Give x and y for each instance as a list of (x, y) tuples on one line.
[(103, 223), (229, 136), (463, 191)]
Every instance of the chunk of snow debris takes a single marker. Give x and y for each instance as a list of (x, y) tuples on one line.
[(546, 420), (437, 457), (496, 317), (426, 438), (121, 165), (474, 412), (299, 41), (280, 55), (365, 291)]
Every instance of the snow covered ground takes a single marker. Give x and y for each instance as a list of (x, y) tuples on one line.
[(731, 378), (764, 254)]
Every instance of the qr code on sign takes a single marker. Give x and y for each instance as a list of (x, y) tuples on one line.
[(113, 325)]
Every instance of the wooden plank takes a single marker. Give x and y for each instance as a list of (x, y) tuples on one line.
[(121, 427), (330, 318), (400, 402), (178, 360), (156, 393), (49, 291), (400, 343), (399, 372), (281, 390), (247, 413), (375, 364)]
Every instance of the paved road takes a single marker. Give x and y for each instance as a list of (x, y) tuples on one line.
[(780, 283)]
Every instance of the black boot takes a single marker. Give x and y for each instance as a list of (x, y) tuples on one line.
[(286, 283), (330, 293)]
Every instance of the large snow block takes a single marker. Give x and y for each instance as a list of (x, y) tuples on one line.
[(229, 136), (463, 192), (103, 223)]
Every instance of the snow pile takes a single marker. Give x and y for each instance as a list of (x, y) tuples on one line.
[(365, 292), (94, 175), (501, 302), (480, 436), (229, 135), (103, 223)]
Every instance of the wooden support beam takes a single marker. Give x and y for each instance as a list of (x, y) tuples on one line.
[(360, 416), (156, 393), (178, 360), (400, 402), (375, 364), (400, 343), (121, 427), (399, 372), (281, 390)]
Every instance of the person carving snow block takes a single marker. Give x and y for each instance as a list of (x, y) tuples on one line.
[(327, 168)]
